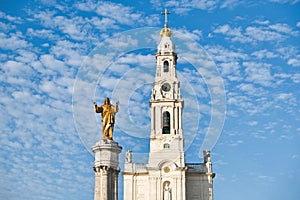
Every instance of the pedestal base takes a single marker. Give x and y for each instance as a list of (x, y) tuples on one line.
[(106, 168)]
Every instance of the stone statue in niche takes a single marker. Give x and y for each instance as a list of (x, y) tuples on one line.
[(167, 191)]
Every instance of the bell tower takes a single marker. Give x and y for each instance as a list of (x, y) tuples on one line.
[(166, 105), (166, 176), (166, 156)]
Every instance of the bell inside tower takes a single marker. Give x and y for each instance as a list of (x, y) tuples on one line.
[(166, 66), (166, 122)]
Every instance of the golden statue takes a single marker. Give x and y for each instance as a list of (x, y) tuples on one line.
[(108, 112)]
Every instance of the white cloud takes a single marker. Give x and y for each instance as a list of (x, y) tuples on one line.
[(46, 18), (77, 28), (183, 6), (137, 59), (16, 69), (35, 122), (200, 4), (228, 61), (190, 77), (52, 65), (224, 29), (248, 104), (264, 32), (261, 54), (264, 178), (115, 13), (253, 123), (221, 54), (118, 12), (285, 1), (258, 73), (234, 34), (5, 27), (74, 27), (234, 143), (13, 41), (261, 22), (26, 56), (284, 28), (10, 18), (230, 4), (70, 53), (288, 51), (290, 54), (294, 61), (251, 90), (103, 24), (122, 42), (296, 78), (194, 35), (231, 71), (288, 99), (43, 33)]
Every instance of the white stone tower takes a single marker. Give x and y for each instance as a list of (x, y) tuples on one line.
[(166, 176), (166, 157)]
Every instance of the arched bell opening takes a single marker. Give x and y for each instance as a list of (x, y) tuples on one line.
[(166, 122), (166, 66)]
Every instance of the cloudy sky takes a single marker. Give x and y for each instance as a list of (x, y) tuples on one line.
[(239, 67)]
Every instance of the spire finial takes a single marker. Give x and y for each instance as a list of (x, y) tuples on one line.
[(166, 12)]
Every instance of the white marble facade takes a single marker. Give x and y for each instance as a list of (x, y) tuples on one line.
[(191, 181)]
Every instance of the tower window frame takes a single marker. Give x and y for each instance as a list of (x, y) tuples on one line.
[(166, 123), (166, 66)]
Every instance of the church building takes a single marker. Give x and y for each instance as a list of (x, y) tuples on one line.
[(166, 175)]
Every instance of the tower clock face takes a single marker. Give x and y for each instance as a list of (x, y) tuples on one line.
[(166, 87)]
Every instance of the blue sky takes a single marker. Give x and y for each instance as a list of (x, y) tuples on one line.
[(57, 57)]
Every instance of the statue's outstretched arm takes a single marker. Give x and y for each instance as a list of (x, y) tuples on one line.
[(97, 109)]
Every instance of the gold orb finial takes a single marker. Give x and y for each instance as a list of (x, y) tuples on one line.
[(165, 32)]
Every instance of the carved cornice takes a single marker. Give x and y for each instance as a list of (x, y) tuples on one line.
[(105, 170)]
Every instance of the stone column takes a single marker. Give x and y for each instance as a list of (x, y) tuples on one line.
[(97, 193), (115, 179), (152, 120), (158, 119), (106, 168), (180, 119), (176, 119), (104, 185)]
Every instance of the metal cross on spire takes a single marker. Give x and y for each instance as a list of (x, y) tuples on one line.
[(166, 12)]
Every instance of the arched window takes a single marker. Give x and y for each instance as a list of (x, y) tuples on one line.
[(166, 146), (166, 122), (166, 66)]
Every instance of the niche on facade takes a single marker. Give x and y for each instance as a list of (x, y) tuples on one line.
[(167, 190)]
